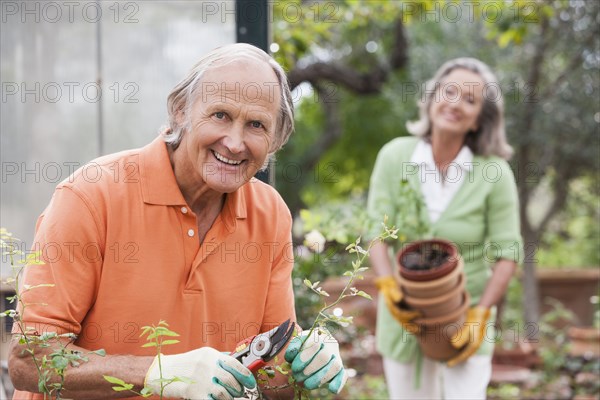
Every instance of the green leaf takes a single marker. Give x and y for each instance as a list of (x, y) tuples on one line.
[(7, 313), (308, 283), (113, 380), (363, 294), (168, 342), (361, 250), (150, 344), (146, 392), (145, 330), (348, 273), (42, 386), (178, 379), (283, 369), (127, 386), (100, 352), (48, 336), (166, 332)]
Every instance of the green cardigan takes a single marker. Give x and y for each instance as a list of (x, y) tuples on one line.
[(482, 220)]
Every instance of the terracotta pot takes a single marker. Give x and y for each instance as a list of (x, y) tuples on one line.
[(523, 355), (427, 246), (441, 305), (434, 288), (585, 341), (435, 334)]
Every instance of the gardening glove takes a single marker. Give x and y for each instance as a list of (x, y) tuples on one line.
[(205, 373), (392, 295), (471, 334), (318, 362)]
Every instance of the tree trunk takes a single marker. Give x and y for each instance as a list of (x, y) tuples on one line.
[(531, 302), (531, 235)]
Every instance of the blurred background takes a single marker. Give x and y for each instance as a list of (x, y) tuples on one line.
[(83, 79)]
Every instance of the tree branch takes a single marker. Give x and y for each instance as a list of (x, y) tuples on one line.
[(558, 203), (527, 118), (573, 64), (361, 83), (332, 131)]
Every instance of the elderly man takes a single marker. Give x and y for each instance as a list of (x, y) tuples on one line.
[(178, 231)]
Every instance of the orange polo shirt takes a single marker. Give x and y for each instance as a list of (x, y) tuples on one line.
[(121, 246)]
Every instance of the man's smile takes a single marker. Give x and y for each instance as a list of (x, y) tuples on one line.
[(226, 160)]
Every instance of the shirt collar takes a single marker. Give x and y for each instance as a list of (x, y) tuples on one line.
[(423, 154), (159, 185)]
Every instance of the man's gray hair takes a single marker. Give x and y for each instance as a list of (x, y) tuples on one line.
[(490, 137), (185, 92)]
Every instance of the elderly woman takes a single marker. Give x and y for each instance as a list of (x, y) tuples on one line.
[(178, 231), (469, 191)]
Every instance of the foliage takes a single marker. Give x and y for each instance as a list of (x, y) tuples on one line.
[(312, 29), (56, 357), (325, 316), (545, 55), (412, 215), (573, 238), (339, 221), (557, 374), (156, 336)]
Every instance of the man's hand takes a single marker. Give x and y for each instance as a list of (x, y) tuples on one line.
[(318, 362), (392, 295), (470, 336), (208, 374)]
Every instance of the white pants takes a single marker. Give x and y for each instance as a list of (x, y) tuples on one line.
[(466, 381)]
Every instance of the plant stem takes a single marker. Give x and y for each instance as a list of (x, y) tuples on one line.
[(360, 258), (19, 321), (160, 373)]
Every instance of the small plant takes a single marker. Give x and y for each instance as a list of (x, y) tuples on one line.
[(51, 367), (324, 316), (156, 336), (412, 214)]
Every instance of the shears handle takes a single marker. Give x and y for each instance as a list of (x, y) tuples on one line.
[(255, 365), (242, 354)]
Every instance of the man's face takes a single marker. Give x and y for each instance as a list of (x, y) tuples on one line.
[(233, 122)]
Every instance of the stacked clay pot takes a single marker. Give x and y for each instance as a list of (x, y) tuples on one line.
[(437, 292)]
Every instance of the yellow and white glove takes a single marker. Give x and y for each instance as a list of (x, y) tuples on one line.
[(392, 295), (471, 334), (207, 374), (319, 361)]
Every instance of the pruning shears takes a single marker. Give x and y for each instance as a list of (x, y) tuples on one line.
[(255, 351)]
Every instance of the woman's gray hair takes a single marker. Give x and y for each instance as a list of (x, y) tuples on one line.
[(490, 137), (183, 95)]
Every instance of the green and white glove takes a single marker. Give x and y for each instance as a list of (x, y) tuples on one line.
[(207, 374), (319, 361)]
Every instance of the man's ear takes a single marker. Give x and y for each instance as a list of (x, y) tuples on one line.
[(180, 116)]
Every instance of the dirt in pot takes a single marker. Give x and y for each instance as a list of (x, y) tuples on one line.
[(424, 258)]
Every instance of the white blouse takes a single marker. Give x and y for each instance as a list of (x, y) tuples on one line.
[(437, 191)]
